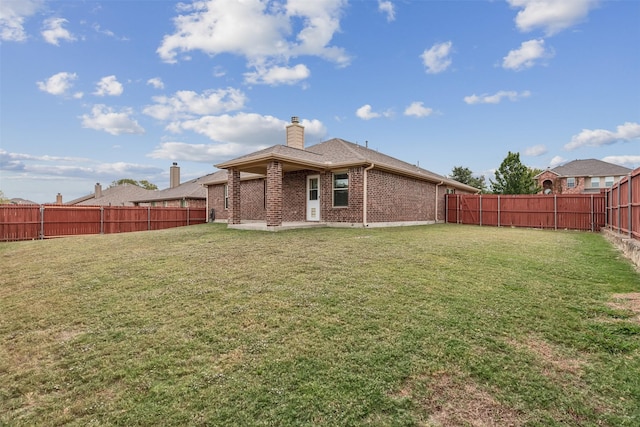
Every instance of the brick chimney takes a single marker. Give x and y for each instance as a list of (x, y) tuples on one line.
[(98, 191), (295, 134), (174, 175), (58, 199)]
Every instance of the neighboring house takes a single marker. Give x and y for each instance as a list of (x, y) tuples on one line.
[(334, 182), (118, 195), (189, 194), (20, 201), (580, 176)]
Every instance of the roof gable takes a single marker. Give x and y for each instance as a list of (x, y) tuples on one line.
[(590, 167)]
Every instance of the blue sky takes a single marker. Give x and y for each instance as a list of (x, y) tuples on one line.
[(95, 91)]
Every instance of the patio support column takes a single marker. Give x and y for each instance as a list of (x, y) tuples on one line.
[(233, 188), (274, 194)]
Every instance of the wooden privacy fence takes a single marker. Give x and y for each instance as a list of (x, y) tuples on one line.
[(561, 211), (28, 222), (623, 205)]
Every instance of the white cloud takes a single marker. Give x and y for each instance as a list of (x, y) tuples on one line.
[(247, 129), (54, 32), (187, 104), (13, 14), (597, 137), (260, 31), (526, 55), (557, 160), (156, 82), (365, 112), (417, 109), (278, 75), (552, 16), (536, 150), (497, 97), (116, 123), (387, 8), (437, 58), (630, 161), (58, 84), (109, 85)]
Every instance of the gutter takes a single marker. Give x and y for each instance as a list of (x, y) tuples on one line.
[(364, 195), (437, 185)]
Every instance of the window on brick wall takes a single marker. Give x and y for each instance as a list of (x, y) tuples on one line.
[(341, 189), (595, 182), (571, 182), (226, 196)]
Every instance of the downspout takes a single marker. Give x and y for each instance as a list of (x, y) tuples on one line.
[(437, 185), (364, 195)]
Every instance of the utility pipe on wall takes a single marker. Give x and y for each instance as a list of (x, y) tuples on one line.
[(364, 195), (437, 185)]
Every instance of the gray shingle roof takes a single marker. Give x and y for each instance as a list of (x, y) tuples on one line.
[(119, 195), (337, 152), (590, 167), (192, 189)]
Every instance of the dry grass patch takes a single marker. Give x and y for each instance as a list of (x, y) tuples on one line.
[(550, 356), (627, 302), (453, 401)]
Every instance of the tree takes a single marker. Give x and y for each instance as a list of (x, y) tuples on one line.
[(3, 199), (142, 183), (512, 177), (465, 176)]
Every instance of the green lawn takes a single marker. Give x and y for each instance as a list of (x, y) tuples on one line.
[(441, 325)]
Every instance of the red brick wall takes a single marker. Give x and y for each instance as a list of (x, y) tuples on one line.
[(397, 198), (295, 195), (251, 207)]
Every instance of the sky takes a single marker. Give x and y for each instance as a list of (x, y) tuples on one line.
[(97, 91)]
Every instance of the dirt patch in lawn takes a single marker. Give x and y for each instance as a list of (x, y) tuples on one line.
[(629, 302), (550, 356), (449, 401)]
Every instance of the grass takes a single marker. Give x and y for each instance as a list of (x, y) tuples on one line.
[(441, 325)]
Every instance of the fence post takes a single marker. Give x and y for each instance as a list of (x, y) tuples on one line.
[(148, 217), (593, 216), (619, 213), (446, 209), (101, 219), (555, 212), (480, 208), (41, 222), (630, 208), (457, 209), (187, 215), (498, 210)]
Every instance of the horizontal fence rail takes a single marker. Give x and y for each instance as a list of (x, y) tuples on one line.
[(562, 211), (623, 206), (29, 222)]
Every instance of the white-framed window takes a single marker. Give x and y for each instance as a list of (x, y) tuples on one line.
[(340, 189), (571, 182), (595, 182), (226, 196), (608, 181)]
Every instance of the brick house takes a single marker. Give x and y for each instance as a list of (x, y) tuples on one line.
[(580, 177), (335, 182)]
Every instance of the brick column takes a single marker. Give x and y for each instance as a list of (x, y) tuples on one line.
[(274, 194), (233, 187)]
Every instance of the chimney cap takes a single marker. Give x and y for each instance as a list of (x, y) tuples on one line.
[(295, 119)]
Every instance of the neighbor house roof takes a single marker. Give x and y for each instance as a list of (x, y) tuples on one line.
[(187, 190), (333, 154), (590, 167), (119, 195)]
